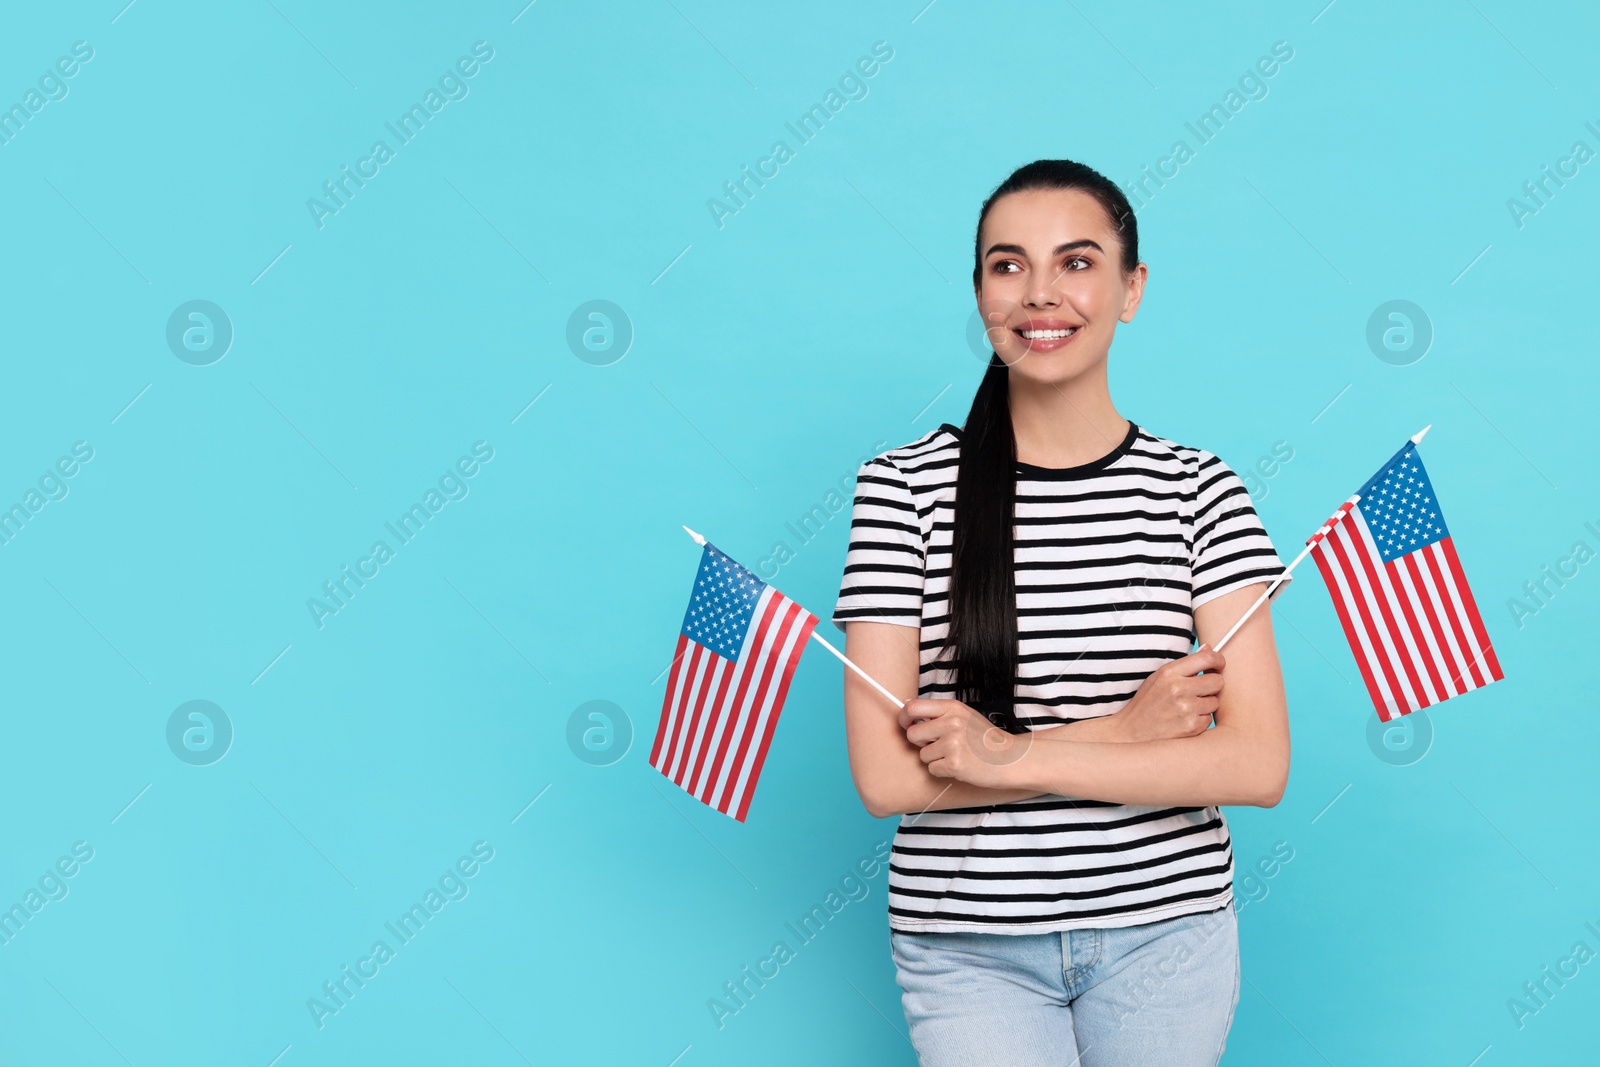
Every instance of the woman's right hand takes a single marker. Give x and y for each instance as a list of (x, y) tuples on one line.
[(1176, 700)]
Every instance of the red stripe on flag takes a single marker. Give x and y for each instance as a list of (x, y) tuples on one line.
[(749, 663), (1424, 649), (1331, 580), (785, 650), (1470, 606), (719, 714), (1344, 545), (666, 705), (1371, 563), (682, 701), (790, 662), (759, 704), (1439, 595), (690, 699), (706, 712), (1425, 597), (1326, 528), (1445, 580)]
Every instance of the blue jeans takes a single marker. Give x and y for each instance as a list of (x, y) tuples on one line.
[(1162, 993)]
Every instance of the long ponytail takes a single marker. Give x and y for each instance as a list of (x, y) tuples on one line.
[(983, 588)]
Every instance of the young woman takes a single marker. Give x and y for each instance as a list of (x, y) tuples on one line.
[(1060, 888)]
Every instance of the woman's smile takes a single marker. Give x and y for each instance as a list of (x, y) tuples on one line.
[(1046, 335)]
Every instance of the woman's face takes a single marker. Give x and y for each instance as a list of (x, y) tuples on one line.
[(1051, 289)]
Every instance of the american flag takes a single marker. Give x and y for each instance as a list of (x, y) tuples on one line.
[(1402, 598), (737, 651)]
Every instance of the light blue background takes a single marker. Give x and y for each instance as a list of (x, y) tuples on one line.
[(769, 356)]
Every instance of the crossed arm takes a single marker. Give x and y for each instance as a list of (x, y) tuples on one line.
[(958, 760)]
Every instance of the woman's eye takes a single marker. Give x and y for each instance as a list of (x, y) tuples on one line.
[(999, 267), (1077, 259)]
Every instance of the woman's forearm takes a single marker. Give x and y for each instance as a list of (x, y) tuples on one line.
[(1217, 766), (928, 793), (1100, 728)]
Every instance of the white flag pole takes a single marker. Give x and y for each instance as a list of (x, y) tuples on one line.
[(1322, 532), (869, 679)]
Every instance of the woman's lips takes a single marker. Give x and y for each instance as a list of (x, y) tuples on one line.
[(1049, 342)]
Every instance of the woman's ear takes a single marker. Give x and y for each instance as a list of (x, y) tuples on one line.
[(1130, 304)]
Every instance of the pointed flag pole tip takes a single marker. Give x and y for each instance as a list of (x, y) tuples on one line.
[(1416, 438), (697, 538)]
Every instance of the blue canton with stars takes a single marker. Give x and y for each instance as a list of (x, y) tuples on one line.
[(722, 604), (1400, 508)]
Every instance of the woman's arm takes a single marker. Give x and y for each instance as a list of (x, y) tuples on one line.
[(1243, 759), (888, 772)]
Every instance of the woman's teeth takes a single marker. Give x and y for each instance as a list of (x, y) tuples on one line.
[(1047, 335)]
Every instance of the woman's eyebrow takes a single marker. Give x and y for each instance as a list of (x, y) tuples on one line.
[(1069, 246)]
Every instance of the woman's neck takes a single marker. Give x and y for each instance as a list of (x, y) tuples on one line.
[(1065, 424)]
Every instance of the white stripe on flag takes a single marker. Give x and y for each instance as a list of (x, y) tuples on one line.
[(700, 662), (1393, 637), (1458, 658), (701, 714), (1343, 600), (672, 713), (716, 718), (1413, 670), (1433, 655), (1478, 661), (1351, 547), (767, 722), (757, 699), (751, 656)]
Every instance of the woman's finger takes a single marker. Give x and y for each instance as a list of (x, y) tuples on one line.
[(921, 734), (1201, 659)]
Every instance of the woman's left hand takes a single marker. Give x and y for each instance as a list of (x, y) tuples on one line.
[(957, 742)]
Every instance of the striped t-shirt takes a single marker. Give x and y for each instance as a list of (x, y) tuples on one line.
[(1111, 558)]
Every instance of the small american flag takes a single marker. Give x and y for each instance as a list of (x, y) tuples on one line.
[(737, 651), (1402, 598)]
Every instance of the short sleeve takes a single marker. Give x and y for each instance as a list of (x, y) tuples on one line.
[(1231, 547), (883, 566)]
